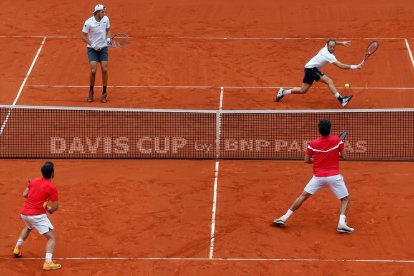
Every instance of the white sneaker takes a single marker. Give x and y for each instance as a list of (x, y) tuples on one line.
[(343, 228), (279, 95), (279, 222), (346, 100)]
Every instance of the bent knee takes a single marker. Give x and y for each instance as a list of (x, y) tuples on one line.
[(328, 80), (345, 198)]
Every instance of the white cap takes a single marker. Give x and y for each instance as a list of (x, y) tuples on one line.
[(99, 7)]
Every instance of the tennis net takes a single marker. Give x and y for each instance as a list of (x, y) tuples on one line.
[(63, 132)]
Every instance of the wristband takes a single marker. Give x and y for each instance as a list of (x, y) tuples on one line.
[(353, 67), (108, 40), (93, 45)]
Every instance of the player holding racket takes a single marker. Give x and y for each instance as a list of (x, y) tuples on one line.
[(34, 213), (96, 33), (312, 73), (324, 154)]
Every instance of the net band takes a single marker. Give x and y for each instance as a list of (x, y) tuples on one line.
[(56, 132)]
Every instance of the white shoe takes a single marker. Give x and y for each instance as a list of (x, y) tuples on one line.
[(346, 100), (279, 95), (343, 228), (279, 222)]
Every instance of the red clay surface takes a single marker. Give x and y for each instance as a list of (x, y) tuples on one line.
[(155, 208)]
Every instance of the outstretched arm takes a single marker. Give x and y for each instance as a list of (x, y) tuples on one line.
[(343, 43), (347, 66)]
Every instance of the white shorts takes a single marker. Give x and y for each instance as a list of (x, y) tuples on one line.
[(40, 222), (335, 183)]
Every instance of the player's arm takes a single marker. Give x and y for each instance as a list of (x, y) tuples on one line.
[(347, 66), (308, 159), (85, 38), (343, 43), (26, 192), (54, 206), (108, 35), (342, 154)]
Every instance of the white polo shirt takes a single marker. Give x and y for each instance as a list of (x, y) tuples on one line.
[(321, 58), (96, 30)]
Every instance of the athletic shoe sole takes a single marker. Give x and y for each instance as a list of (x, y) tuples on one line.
[(345, 230), (347, 100), (279, 222)]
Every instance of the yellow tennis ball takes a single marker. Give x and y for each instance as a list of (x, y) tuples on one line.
[(346, 85)]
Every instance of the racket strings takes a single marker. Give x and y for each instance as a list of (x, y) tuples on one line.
[(120, 40), (372, 47), (343, 135)]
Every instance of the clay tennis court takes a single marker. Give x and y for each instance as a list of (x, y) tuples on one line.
[(209, 217)]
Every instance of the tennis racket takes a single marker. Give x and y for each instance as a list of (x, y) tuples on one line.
[(343, 135), (372, 47), (119, 40)]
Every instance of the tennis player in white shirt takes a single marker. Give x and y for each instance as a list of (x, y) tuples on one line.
[(312, 73), (96, 33)]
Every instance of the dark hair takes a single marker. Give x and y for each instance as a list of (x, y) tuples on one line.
[(324, 127), (47, 170)]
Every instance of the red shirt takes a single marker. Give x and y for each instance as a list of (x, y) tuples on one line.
[(40, 190), (325, 152)]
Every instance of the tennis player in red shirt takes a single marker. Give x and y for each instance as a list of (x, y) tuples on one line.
[(324, 153), (39, 192)]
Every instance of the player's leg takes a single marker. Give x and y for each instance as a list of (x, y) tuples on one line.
[(104, 67), (17, 252), (344, 207), (295, 205), (103, 57), (92, 74), (298, 90), (93, 57), (314, 185), (344, 100), (50, 247), (338, 187), (299, 200), (308, 79), (295, 90)]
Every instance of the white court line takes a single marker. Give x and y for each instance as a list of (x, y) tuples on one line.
[(211, 87), (123, 86), (213, 211), (22, 86), (212, 37), (216, 174), (409, 52), (314, 260)]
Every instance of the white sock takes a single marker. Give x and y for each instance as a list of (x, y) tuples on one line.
[(48, 258), (342, 219), (287, 92), (288, 214), (19, 243), (337, 95)]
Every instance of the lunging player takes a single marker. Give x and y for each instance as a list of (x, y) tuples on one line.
[(312, 73)]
